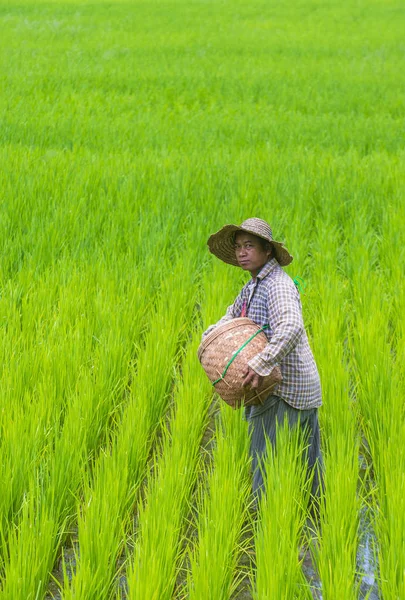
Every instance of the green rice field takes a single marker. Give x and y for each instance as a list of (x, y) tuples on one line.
[(131, 131)]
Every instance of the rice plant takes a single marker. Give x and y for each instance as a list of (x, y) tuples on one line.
[(152, 571), (222, 514), (281, 519), (119, 471), (336, 539)]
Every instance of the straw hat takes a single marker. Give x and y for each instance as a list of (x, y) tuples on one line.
[(222, 243)]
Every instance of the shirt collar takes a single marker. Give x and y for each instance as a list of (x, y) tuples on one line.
[(267, 268)]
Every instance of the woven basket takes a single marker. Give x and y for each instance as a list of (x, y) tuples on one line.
[(217, 350)]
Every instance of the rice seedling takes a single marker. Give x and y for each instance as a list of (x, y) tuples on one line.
[(34, 541), (281, 519), (389, 518), (222, 513), (380, 378), (152, 571), (120, 470), (51, 479), (335, 543)]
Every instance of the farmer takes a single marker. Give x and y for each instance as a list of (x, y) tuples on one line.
[(271, 298)]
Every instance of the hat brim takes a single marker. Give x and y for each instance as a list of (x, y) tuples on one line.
[(221, 244)]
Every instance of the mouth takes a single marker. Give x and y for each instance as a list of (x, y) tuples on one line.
[(243, 262)]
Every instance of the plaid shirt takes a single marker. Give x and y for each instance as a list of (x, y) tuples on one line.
[(273, 299)]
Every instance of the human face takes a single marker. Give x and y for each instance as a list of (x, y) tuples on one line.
[(249, 252)]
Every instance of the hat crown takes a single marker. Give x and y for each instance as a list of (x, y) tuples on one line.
[(258, 227)]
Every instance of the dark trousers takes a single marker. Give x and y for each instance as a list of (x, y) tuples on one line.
[(263, 422)]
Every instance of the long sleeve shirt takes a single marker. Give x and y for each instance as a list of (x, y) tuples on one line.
[(272, 299)]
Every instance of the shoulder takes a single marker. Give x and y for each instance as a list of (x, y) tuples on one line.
[(280, 283), (279, 277)]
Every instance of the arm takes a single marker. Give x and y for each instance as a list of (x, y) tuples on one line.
[(285, 320)]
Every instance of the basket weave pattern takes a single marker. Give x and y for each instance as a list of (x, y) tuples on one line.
[(220, 346)]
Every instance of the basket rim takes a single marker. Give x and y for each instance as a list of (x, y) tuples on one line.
[(227, 326)]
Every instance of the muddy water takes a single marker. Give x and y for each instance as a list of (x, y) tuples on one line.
[(365, 566), (366, 560)]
